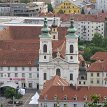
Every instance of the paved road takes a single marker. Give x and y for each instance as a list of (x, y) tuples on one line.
[(26, 99)]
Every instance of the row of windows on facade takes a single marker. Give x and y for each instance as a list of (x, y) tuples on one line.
[(98, 74), (16, 75), (16, 68), (59, 74), (71, 48), (57, 105), (93, 23), (75, 98)]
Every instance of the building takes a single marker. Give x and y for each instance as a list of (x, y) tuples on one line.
[(29, 59), (97, 71), (23, 9), (67, 8), (64, 95), (27, 21), (101, 5)]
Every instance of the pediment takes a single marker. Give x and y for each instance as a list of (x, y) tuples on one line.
[(58, 61)]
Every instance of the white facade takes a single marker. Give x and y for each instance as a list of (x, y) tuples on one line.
[(25, 77), (67, 68), (87, 29), (62, 104), (4, 11), (101, 5)]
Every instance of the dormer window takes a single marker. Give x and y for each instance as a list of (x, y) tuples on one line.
[(75, 98), (85, 98), (105, 98), (55, 97), (65, 97), (45, 98)]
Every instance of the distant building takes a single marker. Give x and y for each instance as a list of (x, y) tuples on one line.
[(101, 5), (22, 9), (67, 8)]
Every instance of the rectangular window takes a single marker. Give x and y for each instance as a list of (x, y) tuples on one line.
[(8, 68), (8, 74), (75, 105), (1, 68), (91, 74), (30, 68), (91, 81), (30, 75), (16, 74), (30, 85), (65, 105), (23, 68), (45, 76), (98, 81), (98, 74), (1, 74), (23, 74), (15, 68)]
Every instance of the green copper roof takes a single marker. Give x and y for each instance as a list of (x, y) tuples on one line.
[(45, 30), (71, 30)]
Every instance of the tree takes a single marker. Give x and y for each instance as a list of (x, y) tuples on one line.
[(82, 11), (24, 1), (97, 39), (10, 92), (1, 105), (50, 8)]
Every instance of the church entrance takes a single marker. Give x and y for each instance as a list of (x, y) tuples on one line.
[(58, 72)]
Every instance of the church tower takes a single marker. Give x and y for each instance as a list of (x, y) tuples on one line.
[(54, 30), (71, 44), (72, 54), (45, 53)]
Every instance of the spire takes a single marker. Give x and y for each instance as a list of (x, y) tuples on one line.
[(71, 30), (45, 30), (54, 23)]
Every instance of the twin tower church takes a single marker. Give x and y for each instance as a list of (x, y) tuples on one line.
[(58, 56)]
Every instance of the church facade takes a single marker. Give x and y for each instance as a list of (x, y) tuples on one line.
[(64, 64)]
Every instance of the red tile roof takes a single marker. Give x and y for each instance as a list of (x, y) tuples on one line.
[(57, 87), (99, 56), (22, 46), (80, 17), (55, 81), (71, 92), (98, 66)]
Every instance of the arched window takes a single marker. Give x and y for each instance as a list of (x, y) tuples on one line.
[(44, 48), (58, 72), (71, 49), (53, 36), (71, 76)]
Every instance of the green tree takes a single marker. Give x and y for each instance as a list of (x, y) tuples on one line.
[(10, 92), (87, 53), (97, 39), (50, 8), (1, 105), (82, 11), (24, 1)]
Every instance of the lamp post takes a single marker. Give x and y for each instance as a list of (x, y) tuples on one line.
[(13, 101)]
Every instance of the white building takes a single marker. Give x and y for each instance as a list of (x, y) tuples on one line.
[(87, 25), (101, 5)]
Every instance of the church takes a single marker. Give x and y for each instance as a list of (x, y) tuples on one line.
[(55, 60)]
